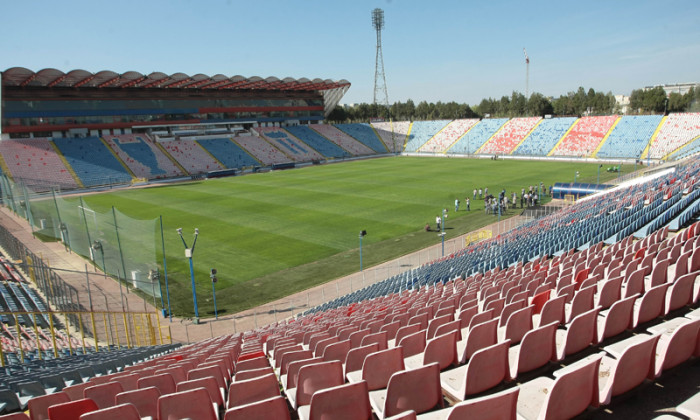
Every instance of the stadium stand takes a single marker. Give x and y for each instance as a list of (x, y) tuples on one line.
[(191, 156), (477, 136), (629, 137), (508, 137), (422, 132), (448, 136), (365, 135), (34, 161), (319, 143), (544, 137), (393, 134), (260, 149), (92, 161), (142, 156), (228, 153), (585, 136), (343, 140), (688, 149), (291, 146), (676, 130)]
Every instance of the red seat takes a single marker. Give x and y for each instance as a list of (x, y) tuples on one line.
[(145, 400), (415, 389), (252, 390), (39, 405), (103, 394), (574, 389), (194, 404), (313, 378), (537, 348), (487, 368), (270, 409), (347, 401), (378, 368), (117, 412), (72, 410), (164, 382), (629, 369)]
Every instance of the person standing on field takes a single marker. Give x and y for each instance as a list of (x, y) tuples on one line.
[(456, 205)]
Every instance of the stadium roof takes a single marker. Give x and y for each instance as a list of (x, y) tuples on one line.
[(19, 77)]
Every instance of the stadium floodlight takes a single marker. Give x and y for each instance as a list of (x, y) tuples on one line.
[(363, 233), (381, 97), (189, 252)]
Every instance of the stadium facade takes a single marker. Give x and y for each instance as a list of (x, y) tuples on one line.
[(51, 103)]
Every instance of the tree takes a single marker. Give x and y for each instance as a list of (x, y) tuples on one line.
[(538, 105)]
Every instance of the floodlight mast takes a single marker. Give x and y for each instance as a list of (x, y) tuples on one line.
[(527, 74), (381, 97)]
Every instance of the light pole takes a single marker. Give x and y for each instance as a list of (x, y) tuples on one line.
[(362, 233), (576, 176), (598, 180), (442, 230), (212, 275), (188, 254)]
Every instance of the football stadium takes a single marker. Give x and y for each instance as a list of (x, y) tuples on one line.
[(177, 246)]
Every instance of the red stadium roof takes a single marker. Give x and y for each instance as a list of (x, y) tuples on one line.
[(20, 76)]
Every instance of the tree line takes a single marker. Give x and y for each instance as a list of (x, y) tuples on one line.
[(577, 103)]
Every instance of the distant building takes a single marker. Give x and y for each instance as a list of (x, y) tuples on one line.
[(623, 102), (681, 88)]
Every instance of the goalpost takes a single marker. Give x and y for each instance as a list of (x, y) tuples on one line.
[(570, 198)]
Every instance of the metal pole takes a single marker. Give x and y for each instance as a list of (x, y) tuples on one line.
[(165, 269), (360, 252), (194, 292), (119, 243), (213, 289)]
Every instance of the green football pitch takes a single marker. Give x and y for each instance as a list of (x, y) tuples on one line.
[(273, 234)]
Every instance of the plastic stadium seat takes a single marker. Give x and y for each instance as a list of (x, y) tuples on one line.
[(164, 382), (271, 409), (103, 394), (39, 406), (416, 389), (378, 368), (552, 311), (680, 293), (378, 337), (337, 351), (75, 392), (676, 347), (434, 323), (145, 400), (579, 334), (209, 384), (250, 364), (441, 350), (479, 337), (518, 324), (413, 344), (128, 382), (290, 380), (650, 306), (574, 389), (536, 349), (539, 300), (629, 369), (194, 404), (294, 356), (487, 368), (251, 390), (203, 372), (581, 302), (609, 293), (347, 401), (501, 405), (313, 378), (356, 357), (117, 412), (72, 410), (617, 319)]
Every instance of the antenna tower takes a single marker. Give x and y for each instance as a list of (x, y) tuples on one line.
[(381, 96), (527, 74)]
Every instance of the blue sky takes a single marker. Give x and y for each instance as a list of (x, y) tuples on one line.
[(436, 51)]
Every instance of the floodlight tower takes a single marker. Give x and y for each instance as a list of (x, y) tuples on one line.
[(381, 96), (527, 74)]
